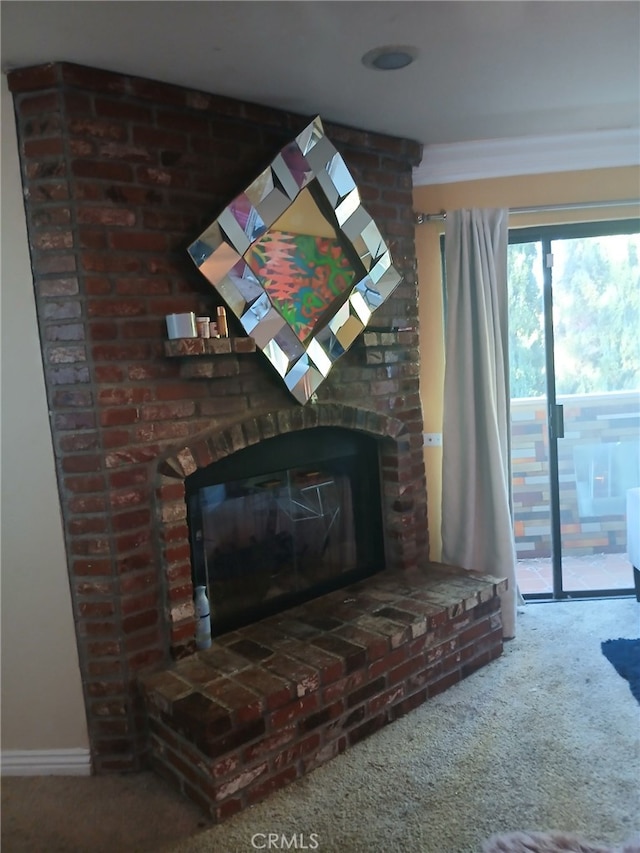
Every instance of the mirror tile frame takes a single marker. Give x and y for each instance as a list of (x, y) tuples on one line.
[(308, 173)]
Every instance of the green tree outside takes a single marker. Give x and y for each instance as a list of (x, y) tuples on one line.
[(596, 310), (596, 297), (526, 322)]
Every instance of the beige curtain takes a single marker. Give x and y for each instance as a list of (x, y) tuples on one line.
[(477, 530)]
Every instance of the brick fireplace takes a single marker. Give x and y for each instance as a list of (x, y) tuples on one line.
[(120, 174)]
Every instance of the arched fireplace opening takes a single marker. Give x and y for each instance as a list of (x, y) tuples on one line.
[(283, 521)]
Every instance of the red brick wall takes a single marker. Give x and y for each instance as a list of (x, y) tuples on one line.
[(120, 175)]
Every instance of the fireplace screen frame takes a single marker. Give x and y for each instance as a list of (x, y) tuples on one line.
[(355, 455)]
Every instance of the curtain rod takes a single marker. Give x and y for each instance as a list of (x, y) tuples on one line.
[(422, 218)]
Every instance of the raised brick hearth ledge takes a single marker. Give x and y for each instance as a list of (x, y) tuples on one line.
[(276, 699)]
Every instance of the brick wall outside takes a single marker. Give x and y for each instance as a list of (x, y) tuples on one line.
[(590, 420), (120, 174)]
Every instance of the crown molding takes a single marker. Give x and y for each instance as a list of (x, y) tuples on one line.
[(527, 155), (45, 762)]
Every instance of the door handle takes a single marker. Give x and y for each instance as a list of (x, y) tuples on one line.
[(556, 420)]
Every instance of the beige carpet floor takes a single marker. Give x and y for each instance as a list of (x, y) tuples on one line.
[(545, 738)]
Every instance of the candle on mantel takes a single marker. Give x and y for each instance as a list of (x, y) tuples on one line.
[(223, 328)]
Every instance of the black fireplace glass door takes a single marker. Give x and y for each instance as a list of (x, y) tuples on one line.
[(266, 534)]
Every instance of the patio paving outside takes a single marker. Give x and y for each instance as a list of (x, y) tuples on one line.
[(580, 573)]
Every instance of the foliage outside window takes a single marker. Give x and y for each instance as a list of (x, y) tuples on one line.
[(596, 307)]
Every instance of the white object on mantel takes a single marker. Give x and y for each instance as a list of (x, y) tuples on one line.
[(181, 326)]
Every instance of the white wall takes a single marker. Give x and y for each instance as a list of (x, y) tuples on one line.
[(42, 705)]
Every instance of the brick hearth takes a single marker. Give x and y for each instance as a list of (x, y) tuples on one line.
[(273, 701)]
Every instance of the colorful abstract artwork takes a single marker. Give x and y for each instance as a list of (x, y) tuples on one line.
[(302, 274)]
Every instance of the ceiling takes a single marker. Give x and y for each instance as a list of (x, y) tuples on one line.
[(485, 70)]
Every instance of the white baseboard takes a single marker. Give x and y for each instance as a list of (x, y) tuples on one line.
[(45, 762)]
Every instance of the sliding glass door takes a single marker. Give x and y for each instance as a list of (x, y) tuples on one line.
[(575, 407)]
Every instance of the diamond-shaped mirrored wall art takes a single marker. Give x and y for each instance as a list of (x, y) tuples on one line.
[(299, 261)]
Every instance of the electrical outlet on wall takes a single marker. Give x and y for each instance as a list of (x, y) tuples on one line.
[(432, 439)]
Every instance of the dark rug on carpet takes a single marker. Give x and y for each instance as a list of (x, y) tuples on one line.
[(625, 657)]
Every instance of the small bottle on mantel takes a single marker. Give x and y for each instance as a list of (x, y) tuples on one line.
[(202, 325), (223, 328), (203, 615)]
